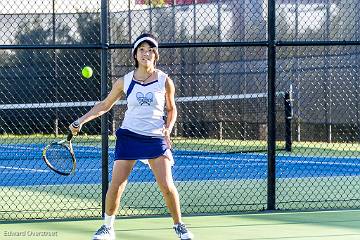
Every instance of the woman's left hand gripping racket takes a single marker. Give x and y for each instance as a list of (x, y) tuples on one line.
[(60, 157)]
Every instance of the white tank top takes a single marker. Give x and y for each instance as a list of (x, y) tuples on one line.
[(145, 105)]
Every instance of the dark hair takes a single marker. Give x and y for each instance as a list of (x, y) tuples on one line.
[(148, 42)]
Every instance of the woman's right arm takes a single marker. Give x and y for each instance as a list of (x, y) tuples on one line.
[(101, 107)]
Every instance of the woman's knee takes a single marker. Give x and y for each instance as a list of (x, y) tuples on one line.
[(167, 187), (116, 187)]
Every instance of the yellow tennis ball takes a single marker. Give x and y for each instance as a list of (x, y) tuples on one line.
[(87, 72)]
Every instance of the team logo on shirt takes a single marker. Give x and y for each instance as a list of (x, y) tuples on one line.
[(145, 99)]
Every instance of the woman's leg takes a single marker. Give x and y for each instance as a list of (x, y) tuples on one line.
[(161, 168), (120, 173)]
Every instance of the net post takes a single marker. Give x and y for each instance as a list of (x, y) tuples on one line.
[(104, 16), (288, 118), (176, 129), (220, 130), (56, 126)]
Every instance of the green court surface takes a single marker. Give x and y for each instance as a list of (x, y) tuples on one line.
[(325, 225)]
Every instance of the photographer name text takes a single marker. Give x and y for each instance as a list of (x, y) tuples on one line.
[(28, 233)]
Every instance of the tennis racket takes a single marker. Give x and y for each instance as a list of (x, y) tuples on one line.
[(60, 157)]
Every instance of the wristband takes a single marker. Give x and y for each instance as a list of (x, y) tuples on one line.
[(166, 130), (76, 124)]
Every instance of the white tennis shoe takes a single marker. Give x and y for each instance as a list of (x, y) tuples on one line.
[(104, 233), (182, 232)]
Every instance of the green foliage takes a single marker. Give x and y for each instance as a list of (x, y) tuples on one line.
[(155, 3), (88, 28), (32, 32), (54, 69)]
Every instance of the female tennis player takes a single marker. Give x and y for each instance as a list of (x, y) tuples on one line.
[(143, 135)]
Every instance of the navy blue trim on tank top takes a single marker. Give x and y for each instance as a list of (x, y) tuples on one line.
[(146, 84), (132, 84), (130, 88)]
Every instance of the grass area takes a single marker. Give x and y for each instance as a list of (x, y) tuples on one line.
[(208, 197), (50, 201), (298, 148), (326, 149), (48, 138)]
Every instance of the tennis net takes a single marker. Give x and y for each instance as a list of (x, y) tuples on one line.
[(229, 123), (221, 123)]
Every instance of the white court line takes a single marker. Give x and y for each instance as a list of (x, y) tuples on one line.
[(20, 147), (320, 162), (265, 160), (88, 170), (263, 154), (40, 148), (23, 169), (314, 156), (17, 170)]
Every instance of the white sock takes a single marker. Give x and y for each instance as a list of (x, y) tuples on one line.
[(175, 225), (109, 220)]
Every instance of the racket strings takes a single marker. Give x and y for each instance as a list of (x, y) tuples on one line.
[(59, 157)]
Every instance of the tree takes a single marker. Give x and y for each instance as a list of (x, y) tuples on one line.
[(164, 29), (46, 75), (88, 28), (32, 32)]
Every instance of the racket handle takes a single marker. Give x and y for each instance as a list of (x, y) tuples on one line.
[(69, 136)]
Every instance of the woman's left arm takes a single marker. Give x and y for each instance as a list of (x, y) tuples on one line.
[(170, 107)]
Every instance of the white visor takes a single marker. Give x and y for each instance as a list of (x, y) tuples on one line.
[(142, 40)]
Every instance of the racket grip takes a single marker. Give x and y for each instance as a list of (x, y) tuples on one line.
[(69, 136)]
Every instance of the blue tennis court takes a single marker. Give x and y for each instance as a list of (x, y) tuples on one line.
[(26, 167)]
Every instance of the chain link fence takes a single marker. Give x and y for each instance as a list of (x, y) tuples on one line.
[(217, 54), (318, 58)]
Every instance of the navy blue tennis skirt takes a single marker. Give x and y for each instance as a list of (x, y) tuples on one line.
[(133, 146)]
